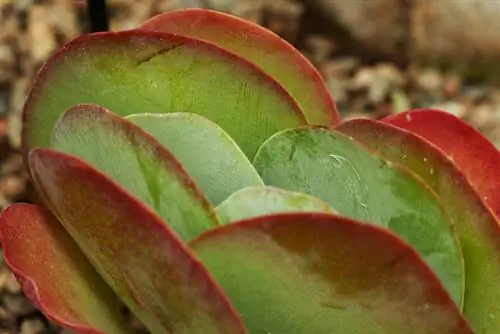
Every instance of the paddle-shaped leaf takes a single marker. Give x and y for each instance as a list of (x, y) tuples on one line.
[(138, 162), (211, 158), (259, 201), (137, 71), (137, 254), (317, 273), (260, 46), (55, 274), (470, 151), (478, 230), (360, 185)]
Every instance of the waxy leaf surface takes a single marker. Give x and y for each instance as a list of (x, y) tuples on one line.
[(55, 274), (260, 46), (477, 228), (211, 158), (309, 273), (470, 151), (138, 255), (138, 162), (259, 201), (135, 71), (360, 185)]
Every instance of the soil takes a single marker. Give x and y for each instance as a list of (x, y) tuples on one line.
[(31, 30)]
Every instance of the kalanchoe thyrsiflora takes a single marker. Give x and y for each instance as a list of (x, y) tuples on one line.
[(195, 170)]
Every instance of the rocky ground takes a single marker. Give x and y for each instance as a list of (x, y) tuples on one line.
[(31, 30)]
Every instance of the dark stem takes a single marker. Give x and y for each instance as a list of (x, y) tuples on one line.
[(97, 12)]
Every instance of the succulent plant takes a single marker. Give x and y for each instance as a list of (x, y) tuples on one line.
[(195, 170)]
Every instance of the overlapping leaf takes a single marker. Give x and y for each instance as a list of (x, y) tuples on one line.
[(360, 185), (477, 227), (136, 71), (260, 46), (470, 151), (138, 255), (55, 274), (309, 273), (138, 162), (211, 158), (259, 201)]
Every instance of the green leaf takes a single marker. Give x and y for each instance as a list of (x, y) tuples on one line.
[(361, 185), (306, 273), (135, 71), (258, 201), (55, 274), (476, 156), (138, 162), (140, 257), (211, 158), (260, 46), (477, 227)]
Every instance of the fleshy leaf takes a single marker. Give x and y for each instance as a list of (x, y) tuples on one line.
[(137, 71), (55, 274), (262, 47), (478, 230), (259, 201), (320, 273), (361, 185), (211, 158), (470, 151), (140, 257), (138, 162)]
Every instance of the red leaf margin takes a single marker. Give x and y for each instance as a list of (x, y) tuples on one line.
[(59, 56), (474, 155), (252, 32)]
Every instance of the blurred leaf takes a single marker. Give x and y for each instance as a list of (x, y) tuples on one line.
[(478, 230), (137, 162), (262, 47), (361, 185), (258, 201), (55, 274), (138, 255), (135, 71), (306, 273), (400, 101), (211, 158)]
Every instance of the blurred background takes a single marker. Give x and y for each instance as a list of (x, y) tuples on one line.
[(378, 57)]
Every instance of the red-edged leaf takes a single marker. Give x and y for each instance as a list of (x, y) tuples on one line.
[(138, 71), (138, 255), (262, 47), (478, 230), (306, 273), (471, 152), (138, 162), (55, 274)]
